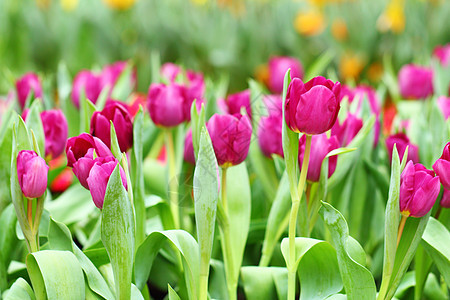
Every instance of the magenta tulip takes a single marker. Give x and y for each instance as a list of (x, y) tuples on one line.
[(32, 174), (402, 141), (168, 105), (312, 107), (25, 85), (236, 101), (444, 104), (348, 130), (442, 53), (189, 155), (55, 129), (117, 113), (269, 135), (78, 146), (89, 83), (99, 177), (442, 167), (111, 74), (321, 145), (230, 136), (277, 69), (445, 201), (415, 82), (419, 189)]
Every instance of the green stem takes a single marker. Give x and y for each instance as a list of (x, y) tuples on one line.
[(203, 287), (400, 228), (173, 180), (293, 220)]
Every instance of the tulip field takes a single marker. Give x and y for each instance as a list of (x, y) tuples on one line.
[(224, 149)]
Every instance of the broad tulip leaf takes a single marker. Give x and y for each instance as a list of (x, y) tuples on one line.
[(197, 123), (186, 245), (277, 221), (358, 281), (259, 282), (436, 241), (62, 280), (172, 294), (8, 220), (118, 233), (20, 290), (87, 109), (317, 267), (206, 194)]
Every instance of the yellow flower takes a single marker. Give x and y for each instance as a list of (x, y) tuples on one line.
[(339, 30), (69, 5), (350, 66), (199, 2), (309, 23), (120, 4), (393, 17)]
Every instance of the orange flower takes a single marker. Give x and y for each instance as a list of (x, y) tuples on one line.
[(262, 74), (350, 66), (375, 72), (393, 17), (339, 30), (309, 23), (119, 4)]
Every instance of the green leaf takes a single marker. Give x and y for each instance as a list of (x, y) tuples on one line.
[(358, 281), (206, 194), (63, 280), (277, 221), (197, 123), (115, 148), (436, 240), (87, 109), (155, 65), (172, 294), (186, 245), (317, 267), (259, 282), (34, 123), (59, 237), (20, 290), (63, 81), (319, 65), (118, 233)]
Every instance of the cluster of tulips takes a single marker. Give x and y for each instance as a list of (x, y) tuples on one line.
[(303, 130)]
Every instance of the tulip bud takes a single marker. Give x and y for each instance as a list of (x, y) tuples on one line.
[(277, 69), (415, 82), (87, 82), (55, 129), (348, 130), (444, 104), (419, 189), (402, 141), (189, 155), (26, 84), (230, 136), (269, 135), (312, 107), (170, 71), (117, 113), (321, 145), (99, 176), (442, 53), (234, 103), (445, 201), (442, 167), (111, 73), (167, 104), (32, 174)]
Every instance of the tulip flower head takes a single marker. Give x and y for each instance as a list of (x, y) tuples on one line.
[(415, 82), (277, 69), (312, 107), (445, 201), (32, 174), (116, 112), (111, 73), (27, 84), (321, 145), (189, 155), (56, 130), (419, 189), (348, 130), (402, 141), (442, 167), (99, 176), (442, 53), (89, 83), (444, 104), (236, 101), (230, 136)]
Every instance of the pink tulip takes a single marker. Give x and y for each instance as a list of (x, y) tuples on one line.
[(445, 201), (189, 155), (111, 74), (312, 107), (444, 104), (442, 167), (230, 136), (55, 129), (348, 130), (89, 83), (321, 145), (25, 85), (32, 174), (442, 53), (277, 69), (415, 82), (419, 189), (402, 141), (236, 101)]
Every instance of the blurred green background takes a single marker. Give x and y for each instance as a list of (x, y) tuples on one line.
[(223, 36)]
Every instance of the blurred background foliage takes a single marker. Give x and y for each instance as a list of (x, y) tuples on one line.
[(225, 36)]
